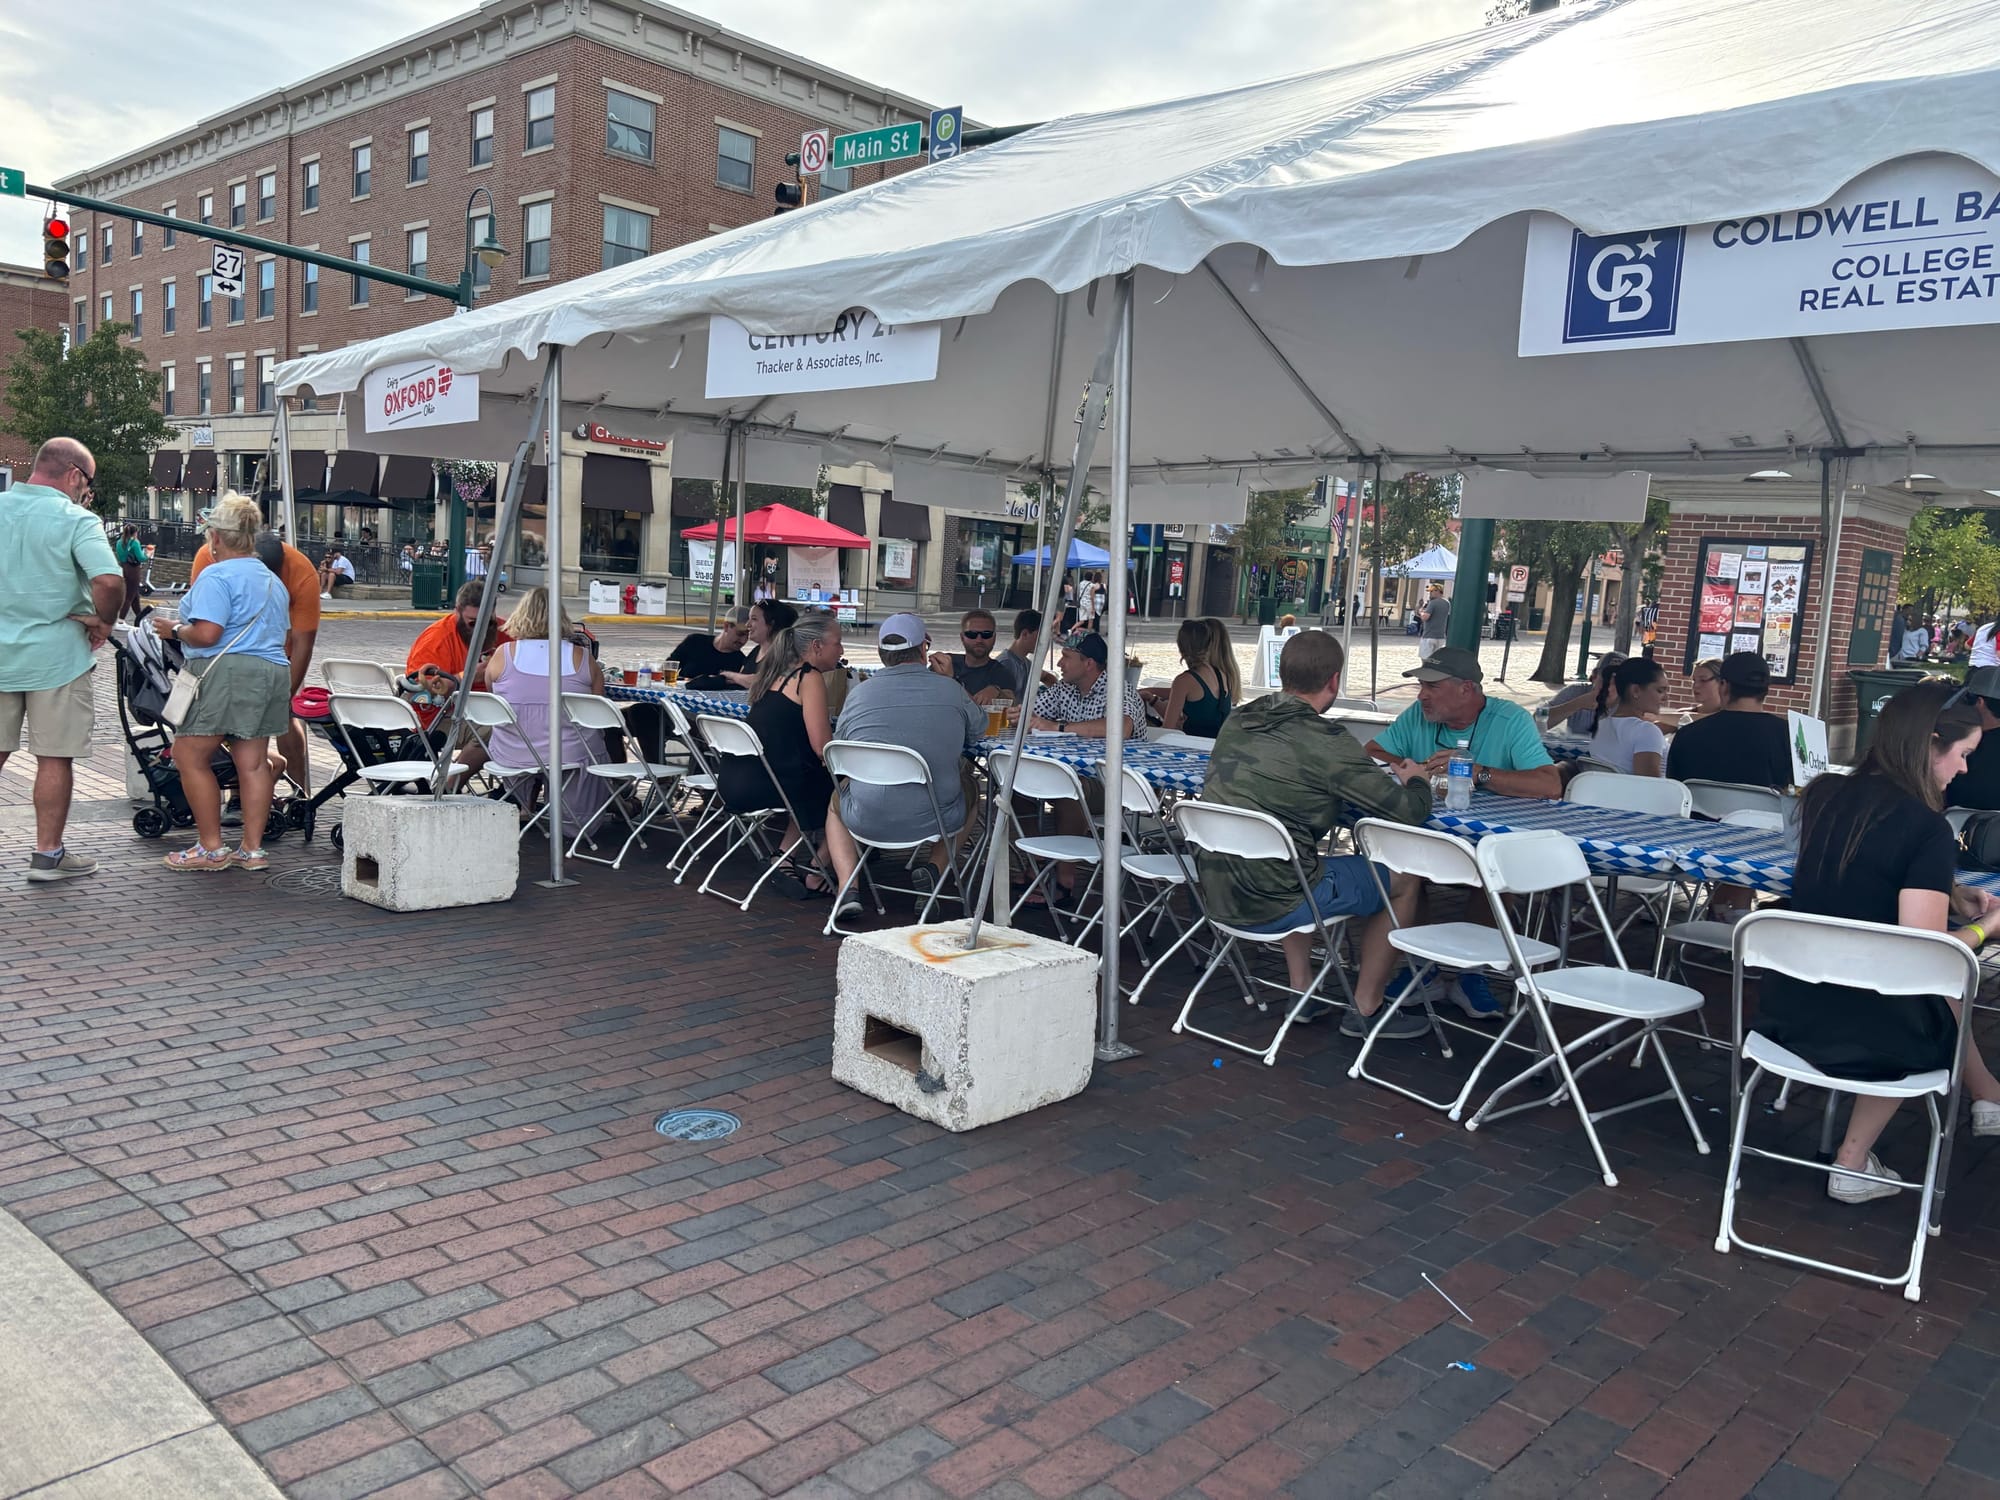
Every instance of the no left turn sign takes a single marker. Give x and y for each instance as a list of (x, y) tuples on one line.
[(813, 148)]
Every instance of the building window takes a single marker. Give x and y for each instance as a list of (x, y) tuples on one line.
[(204, 302), (628, 236), (537, 221), (104, 310), (420, 154), (236, 383), (420, 252), (482, 137), (138, 313), (267, 288), (110, 234), (541, 117), (82, 242), (309, 186), (628, 125), (207, 205), (267, 196), (138, 237), (836, 180), (735, 158), (267, 385), (167, 304), (166, 390), (204, 388), (167, 230), (239, 203), (364, 170), (482, 230), (309, 298), (236, 309), (359, 251), (82, 322)]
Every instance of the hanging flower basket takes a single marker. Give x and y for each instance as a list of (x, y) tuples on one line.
[(470, 477)]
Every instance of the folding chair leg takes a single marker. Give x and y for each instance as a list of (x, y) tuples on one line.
[(1181, 942), (1725, 1234), (1558, 1058)]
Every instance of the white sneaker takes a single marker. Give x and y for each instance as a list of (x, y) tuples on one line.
[(324, 595), (1846, 1187), (1985, 1117)]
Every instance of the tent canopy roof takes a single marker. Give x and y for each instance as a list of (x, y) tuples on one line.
[(1081, 555), (1436, 562), (1378, 209), (780, 526)]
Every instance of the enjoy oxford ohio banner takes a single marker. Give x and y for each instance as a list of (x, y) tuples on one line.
[(1912, 244)]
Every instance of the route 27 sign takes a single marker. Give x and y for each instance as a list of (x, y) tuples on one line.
[(227, 265)]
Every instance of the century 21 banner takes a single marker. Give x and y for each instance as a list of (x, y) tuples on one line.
[(1913, 244)]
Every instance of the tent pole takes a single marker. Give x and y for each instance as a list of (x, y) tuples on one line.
[(742, 489), (285, 465), (1350, 547), (1089, 417), (715, 558), (1832, 508), (552, 398), (1109, 1047), (1374, 587)]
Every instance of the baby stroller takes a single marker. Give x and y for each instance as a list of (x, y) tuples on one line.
[(146, 666), (361, 748)]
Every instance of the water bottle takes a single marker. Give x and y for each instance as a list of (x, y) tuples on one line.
[(1458, 792)]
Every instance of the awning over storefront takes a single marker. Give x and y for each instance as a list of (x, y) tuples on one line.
[(905, 523), (308, 471), (613, 483), (200, 473), (406, 478), (166, 473), (693, 502), (844, 508), (354, 469)]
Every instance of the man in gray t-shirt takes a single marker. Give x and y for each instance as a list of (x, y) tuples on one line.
[(1436, 617), (908, 704)]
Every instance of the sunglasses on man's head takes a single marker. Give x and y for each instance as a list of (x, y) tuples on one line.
[(977, 635)]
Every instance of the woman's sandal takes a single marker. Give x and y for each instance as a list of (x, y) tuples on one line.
[(195, 857), (250, 859)]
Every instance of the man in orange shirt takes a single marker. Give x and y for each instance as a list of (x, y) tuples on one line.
[(446, 646), (301, 581)]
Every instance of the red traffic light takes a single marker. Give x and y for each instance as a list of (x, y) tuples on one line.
[(56, 229)]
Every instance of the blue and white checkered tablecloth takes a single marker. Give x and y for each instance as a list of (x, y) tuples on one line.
[(1171, 768), (727, 705), (1567, 746), (1613, 841)]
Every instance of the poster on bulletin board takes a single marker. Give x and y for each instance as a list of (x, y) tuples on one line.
[(1749, 595)]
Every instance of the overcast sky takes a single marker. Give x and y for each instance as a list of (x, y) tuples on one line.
[(145, 68)]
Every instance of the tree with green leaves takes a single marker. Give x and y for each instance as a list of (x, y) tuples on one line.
[(1635, 540), (1414, 514), (1952, 555), (1561, 552), (99, 393)]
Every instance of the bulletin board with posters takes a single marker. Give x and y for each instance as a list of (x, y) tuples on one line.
[(1750, 595)]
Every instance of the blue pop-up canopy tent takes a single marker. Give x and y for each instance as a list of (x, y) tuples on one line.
[(1081, 555)]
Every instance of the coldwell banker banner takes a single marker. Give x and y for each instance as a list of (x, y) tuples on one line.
[(1914, 244), (422, 394), (859, 350)]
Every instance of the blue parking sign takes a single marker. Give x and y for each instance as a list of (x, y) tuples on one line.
[(946, 127)]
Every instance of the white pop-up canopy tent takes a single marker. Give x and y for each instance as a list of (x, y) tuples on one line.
[(1437, 563), (1345, 266)]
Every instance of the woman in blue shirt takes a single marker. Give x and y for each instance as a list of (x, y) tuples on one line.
[(232, 631)]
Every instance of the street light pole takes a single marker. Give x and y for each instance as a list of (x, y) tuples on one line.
[(490, 252)]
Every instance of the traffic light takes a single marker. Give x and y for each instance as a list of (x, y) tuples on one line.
[(55, 248), (790, 195)]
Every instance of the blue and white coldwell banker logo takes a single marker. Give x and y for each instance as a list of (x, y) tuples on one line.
[(1623, 286)]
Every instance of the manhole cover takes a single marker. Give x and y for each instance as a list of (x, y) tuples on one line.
[(309, 880), (696, 1124)]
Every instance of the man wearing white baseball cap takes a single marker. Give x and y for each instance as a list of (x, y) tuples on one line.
[(908, 704)]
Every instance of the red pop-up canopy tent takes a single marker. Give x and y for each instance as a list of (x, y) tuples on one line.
[(781, 526)]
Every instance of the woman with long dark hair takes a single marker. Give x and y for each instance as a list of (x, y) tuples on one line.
[(1875, 847), (1626, 736), (1200, 698)]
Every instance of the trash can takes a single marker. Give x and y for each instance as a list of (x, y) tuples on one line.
[(1872, 689), (1267, 610), (427, 586), (1535, 618)]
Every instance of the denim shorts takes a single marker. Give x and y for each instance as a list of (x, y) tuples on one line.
[(1345, 889)]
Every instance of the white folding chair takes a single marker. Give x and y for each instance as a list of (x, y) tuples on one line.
[(650, 781), (1160, 873), (878, 765), (1645, 794), (488, 712), (699, 777), (1718, 799), (366, 679), (1245, 833), (1542, 862), (1899, 963), (1041, 779), (735, 737), (1709, 934), (363, 714), (1438, 859)]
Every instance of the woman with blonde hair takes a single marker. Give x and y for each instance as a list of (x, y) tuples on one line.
[(518, 671), (1200, 698), (231, 629)]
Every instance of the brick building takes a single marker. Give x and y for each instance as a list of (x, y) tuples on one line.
[(601, 132), (28, 299)]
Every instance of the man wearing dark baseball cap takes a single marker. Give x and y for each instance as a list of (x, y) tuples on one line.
[(1076, 705), (1453, 716), (1742, 741), (1978, 785)]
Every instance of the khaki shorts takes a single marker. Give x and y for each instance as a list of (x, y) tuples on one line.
[(59, 720)]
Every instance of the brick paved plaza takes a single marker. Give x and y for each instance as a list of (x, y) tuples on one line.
[(385, 1189)]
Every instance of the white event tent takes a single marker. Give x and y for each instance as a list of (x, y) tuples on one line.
[(1323, 270)]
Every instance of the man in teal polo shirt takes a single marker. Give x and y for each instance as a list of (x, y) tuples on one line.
[(1453, 716), (60, 592)]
